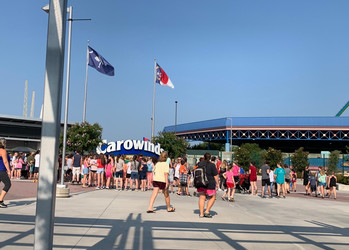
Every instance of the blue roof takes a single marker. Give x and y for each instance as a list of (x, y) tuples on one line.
[(262, 122)]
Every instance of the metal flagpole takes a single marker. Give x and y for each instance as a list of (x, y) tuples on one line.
[(70, 9), (153, 118), (85, 98)]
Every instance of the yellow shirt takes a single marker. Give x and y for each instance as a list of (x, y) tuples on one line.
[(159, 171)]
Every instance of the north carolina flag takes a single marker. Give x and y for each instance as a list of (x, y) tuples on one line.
[(162, 78)]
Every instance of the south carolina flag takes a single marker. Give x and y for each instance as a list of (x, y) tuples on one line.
[(162, 78)]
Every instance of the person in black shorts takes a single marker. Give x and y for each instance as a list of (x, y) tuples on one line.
[(332, 183), (265, 170)]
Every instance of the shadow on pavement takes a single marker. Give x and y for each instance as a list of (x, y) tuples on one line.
[(135, 233)]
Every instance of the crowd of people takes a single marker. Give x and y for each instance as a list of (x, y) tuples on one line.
[(141, 173)]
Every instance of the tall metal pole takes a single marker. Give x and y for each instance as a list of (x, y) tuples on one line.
[(175, 128), (54, 67), (70, 10), (231, 133), (85, 97), (153, 118)]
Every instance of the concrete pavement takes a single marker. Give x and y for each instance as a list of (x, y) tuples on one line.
[(109, 219)]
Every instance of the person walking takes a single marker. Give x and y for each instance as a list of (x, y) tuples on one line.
[(5, 172), (222, 169), (160, 182), (150, 166), (322, 182), (134, 165), (210, 190), (252, 171), (332, 183), (230, 182)]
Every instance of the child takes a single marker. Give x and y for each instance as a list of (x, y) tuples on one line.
[(19, 167), (312, 184), (85, 171), (322, 182), (183, 179), (108, 172), (294, 180), (332, 183), (228, 175), (171, 177)]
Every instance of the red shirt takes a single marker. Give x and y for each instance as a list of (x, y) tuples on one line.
[(253, 175), (99, 164)]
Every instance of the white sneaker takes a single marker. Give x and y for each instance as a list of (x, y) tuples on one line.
[(219, 189)]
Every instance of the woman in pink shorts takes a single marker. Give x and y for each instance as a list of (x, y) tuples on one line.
[(210, 190)]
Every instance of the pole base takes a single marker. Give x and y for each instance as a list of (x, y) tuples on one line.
[(62, 192)]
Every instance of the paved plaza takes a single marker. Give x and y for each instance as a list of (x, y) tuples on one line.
[(109, 219)]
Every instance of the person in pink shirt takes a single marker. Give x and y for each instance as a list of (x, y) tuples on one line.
[(108, 172), (236, 173), (19, 166), (230, 184)]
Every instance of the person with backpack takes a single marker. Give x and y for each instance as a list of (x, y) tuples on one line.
[(206, 182)]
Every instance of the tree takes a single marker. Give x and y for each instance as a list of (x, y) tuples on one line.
[(333, 161), (274, 156), (208, 146), (300, 159), (246, 153), (175, 146), (83, 137), (243, 157)]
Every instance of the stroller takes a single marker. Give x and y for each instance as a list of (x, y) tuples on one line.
[(244, 183)]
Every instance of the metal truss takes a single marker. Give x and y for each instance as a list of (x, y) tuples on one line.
[(312, 135)]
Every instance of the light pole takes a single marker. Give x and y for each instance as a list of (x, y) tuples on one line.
[(54, 68), (231, 133), (70, 20), (175, 128)]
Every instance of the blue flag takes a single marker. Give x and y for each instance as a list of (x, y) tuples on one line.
[(99, 63)]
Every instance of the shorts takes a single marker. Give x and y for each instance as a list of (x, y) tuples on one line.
[(93, 171), (184, 184), (313, 188), (119, 174), (236, 178), (287, 180), (265, 182), (160, 185), (76, 170), (322, 183), (230, 185), (108, 174), (253, 178), (36, 170), (134, 175), (85, 171), (143, 176), (100, 170), (128, 176), (208, 192), (32, 169), (176, 178)]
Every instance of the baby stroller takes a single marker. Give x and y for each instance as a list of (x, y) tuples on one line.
[(244, 183)]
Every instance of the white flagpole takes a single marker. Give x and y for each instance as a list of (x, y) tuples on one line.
[(153, 118), (85, 98)]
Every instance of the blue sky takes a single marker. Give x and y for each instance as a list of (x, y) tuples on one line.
[(225, 58)]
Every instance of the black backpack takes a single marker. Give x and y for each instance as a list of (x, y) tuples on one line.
[(200, 178)]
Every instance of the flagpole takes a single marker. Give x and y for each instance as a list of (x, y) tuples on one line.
[(85, 97), (153, 118)]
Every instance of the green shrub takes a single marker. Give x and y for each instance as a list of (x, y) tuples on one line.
[(343, 179)]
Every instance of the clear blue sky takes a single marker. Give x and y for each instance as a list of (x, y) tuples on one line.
[(225, 58)]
